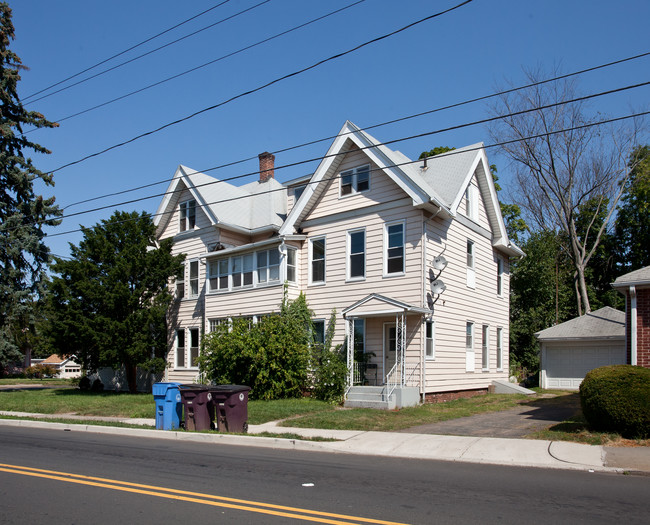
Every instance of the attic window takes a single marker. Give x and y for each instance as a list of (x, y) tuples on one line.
[(355, 180), (187, 215)]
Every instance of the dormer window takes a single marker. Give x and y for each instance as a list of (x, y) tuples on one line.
[(355, 180), (187, 215)]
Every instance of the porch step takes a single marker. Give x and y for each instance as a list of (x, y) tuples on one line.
[(369, 397)]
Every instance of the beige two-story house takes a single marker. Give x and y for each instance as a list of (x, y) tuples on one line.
[(412, 255)]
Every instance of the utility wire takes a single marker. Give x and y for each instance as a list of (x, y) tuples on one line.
[(259, 88), (449, 153), (191, 70), (403, 139), (125, 51), (149, 52), (401, 119)]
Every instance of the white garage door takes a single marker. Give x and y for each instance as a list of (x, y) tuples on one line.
[(567, 366)]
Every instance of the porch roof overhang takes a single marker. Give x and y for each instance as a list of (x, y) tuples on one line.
[(375, 305)]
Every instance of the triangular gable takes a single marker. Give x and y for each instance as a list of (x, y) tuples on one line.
[(170, 200), (380, 156), (375, 304)]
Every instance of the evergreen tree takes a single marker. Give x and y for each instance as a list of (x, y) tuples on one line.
[(108, 304), (23, 254), (632, 232)]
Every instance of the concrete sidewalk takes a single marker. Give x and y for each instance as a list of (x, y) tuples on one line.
[(496, 451)]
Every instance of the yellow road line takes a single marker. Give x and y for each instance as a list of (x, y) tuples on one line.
[(194, 497)]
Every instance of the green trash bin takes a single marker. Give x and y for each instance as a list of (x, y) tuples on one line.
[(231, 407), (197, 407)]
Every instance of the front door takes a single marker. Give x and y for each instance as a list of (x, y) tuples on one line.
[(390, 345)]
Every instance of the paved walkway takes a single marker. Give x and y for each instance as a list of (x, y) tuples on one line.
[(498, 451)]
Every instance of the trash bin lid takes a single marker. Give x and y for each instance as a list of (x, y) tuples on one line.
[(230, 389), (160, 389), (194, 386)]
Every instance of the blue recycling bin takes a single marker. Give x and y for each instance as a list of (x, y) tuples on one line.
[(169, 408)]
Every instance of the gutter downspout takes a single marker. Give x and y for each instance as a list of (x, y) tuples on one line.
[(633, 326)]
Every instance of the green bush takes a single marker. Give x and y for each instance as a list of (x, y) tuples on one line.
[(329, 374), (40, 371), (617, 399)]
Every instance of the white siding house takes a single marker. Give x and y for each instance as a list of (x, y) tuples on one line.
[(358, 236)]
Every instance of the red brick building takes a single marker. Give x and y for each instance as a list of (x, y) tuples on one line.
[(636, 288)]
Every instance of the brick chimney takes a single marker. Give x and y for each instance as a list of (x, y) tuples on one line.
[(267, 165)]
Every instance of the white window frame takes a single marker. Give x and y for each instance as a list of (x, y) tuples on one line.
[(238, 278), (187, 215), (194, 349), (353, 175), (430, 339), (471, 202), (219, 270), (267, 268), (312, 261), (499, 277), (319, 322), (292, 266), (349, 256), (471, 263), (180, 284), (180, 350), (470, 358), (499, 348), (387, 248), (485, 348), (194, 287)]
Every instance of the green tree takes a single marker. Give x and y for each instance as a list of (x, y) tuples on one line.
[(23, 213), (541, 286), (108, 304), (271, 356), (632, 227)]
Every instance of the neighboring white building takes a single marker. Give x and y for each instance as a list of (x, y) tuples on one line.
[(66, 367), (361, 236)]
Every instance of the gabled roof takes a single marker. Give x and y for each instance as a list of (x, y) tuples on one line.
[(637, 277), (440, 187), (252, 208), (606, 323), (375, 304), (56, 359)]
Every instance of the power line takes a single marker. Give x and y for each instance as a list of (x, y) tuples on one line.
[(403, 139), (449, 153), (125, 51), (191, 70), (401, 119), (150, 52), (259, 88)]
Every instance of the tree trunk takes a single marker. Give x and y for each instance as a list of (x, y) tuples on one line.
[(582, 288), (131, 377)]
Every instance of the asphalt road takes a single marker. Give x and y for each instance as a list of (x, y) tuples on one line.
[(157, 481)]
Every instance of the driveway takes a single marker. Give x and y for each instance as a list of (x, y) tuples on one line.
[(512, 423)]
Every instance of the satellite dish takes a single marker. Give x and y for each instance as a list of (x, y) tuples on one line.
[(437, 287), (439, 263)]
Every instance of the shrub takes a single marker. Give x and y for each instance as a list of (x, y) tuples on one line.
[(617, 399), (84, 383), (329, 376), (40, 371)]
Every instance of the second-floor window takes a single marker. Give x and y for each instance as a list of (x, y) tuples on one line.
[(242, 270), (187, 215), (355, 180), (194, 278), (356, 254), (292, 275), (471, 275), (317, 260), (499, 277), (268, 266), (394, 251), (180, 284)]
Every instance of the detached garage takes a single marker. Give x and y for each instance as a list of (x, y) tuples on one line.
[(571, 349)]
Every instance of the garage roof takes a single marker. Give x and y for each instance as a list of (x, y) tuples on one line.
[(606, 323), (641, 276)]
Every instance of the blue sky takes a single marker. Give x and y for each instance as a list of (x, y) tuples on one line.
[(464, 54)]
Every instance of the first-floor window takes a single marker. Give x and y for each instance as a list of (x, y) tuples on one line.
[(194, 346), (216, 323), (429, 346), (469, 347), (485, 347), (180, 348), (499, 348), (318, 334)]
